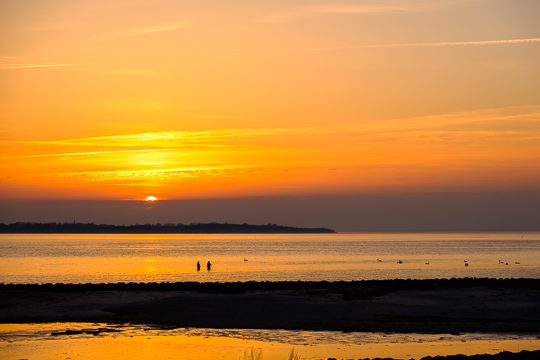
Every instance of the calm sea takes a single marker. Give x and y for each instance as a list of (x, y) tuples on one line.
[(145, 258)]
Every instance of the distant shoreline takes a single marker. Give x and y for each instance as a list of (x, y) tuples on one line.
[(198, 228), (26, 227)]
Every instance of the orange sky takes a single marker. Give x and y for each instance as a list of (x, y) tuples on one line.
[(123, 99)]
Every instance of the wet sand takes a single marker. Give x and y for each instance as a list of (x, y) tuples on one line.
[(426, 306), (80, 341)]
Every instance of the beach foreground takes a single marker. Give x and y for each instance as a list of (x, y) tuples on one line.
[(52, 341), (428, 306)]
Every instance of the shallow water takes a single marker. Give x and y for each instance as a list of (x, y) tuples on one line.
[(34, 341), (81, 258)]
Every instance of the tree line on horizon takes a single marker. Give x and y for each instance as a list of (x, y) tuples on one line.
[(179, 228)]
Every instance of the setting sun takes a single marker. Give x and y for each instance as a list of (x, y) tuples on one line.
[(151, 198)]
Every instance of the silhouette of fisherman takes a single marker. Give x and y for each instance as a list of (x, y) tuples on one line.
[(209, 266), (198, 266)]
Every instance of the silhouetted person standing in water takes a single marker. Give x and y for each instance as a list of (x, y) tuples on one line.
[(209, 266), (198, 266)]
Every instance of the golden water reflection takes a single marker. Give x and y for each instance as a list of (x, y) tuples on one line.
[(76, 258), (136, 342)]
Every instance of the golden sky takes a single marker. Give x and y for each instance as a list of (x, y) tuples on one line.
[(120, 99)]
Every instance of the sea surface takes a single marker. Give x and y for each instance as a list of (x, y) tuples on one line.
[(103, 258)]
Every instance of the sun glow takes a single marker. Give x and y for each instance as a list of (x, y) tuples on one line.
[(376, 112), (151, 198)]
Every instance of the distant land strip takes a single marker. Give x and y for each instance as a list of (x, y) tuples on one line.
[(194, 228)]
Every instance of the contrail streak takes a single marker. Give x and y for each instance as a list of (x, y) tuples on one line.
[(410, 45), (32, 66)]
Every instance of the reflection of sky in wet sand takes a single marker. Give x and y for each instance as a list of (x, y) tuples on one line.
[(124, 257), (139, 342)]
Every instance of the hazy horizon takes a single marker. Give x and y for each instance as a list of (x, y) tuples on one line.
[(383, 212)]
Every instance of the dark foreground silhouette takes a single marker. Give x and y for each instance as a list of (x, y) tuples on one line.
[(202, 228), (428, 306)]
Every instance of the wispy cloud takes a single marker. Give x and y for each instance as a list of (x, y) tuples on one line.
[(146, 30), (499, 140), (163, 175), (33, 66), (464, 43), (163, 138), (89, 153), (372, 8), (354, 8), (522, 41), (238, 137)]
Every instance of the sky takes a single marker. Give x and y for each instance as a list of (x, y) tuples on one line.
[(194, 100)]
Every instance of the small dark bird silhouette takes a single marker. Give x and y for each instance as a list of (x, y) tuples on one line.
[(400, 262)]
